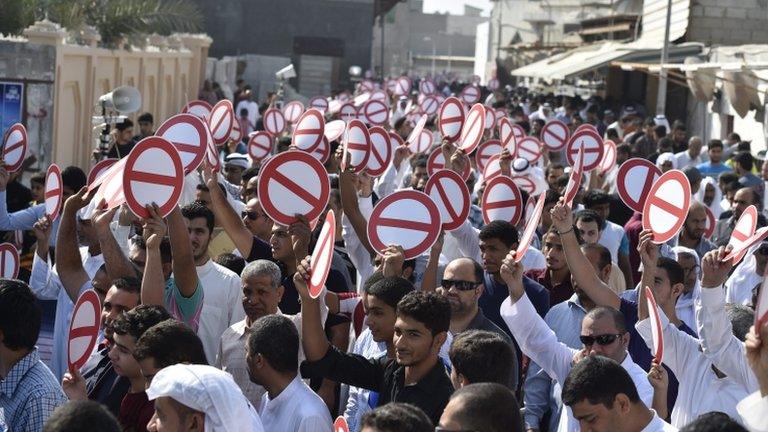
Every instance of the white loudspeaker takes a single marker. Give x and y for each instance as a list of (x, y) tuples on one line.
[(123, 99), (286, 73)]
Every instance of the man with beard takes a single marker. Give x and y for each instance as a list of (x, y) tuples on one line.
[(743, 198), (692, 234)]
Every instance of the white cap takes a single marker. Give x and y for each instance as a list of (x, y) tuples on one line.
[(86, 212), (208, 390), (237, 159)]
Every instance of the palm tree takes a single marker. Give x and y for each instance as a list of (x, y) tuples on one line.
[(115, 20)]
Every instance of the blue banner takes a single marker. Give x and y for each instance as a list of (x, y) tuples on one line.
[(11, 95)]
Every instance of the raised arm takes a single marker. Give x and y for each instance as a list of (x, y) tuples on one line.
[(431, 279), (22, 219), (225, 215), (184, 271), (348, 192), (153, 281), (68, 261), (649, 256), (580, 267), (313, 338), (117, 264)]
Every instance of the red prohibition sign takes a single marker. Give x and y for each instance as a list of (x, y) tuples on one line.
[(198, 108), (14, 147), (470, 95), (427, 87), (555, 135), (502, 201), (236, 134), (259, 145), (414, 139), (743, 230), (709, 228), (189, 135), (322, 255), (403, 86), (634, 181), (395, 140), (53, 192), (83, 329), (348, 112), (574, 181), (472, 131), (449, 191), (518, 131), (657, 335), (334, 129), (451, 118), (666, 207), (319, 102), (398, 217), (381, 151), (322, 152), (376, 112), (492, 168), (292, 111), (524, 183), (761, 308), (309, 130), (274, 121), (293, 182), (529, 148), (593, 148), (9, 261), (221, 121), (490, 118), (530, 229), (429, 105), (436, 162), (508, 140), (96, 174), (153, 166), (487, 150), (357, 146), (609, 157)]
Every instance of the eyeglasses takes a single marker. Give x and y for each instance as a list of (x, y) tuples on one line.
[(459, 284), (250, 215), (602, 340)]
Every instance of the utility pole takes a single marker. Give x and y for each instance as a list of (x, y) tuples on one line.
[(661, 97), (381, 22), (498, 37)]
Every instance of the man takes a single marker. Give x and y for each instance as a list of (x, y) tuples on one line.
[(743, 163), (690, 263), (692, 234), (77, 416), (122, 142), (423, 319), (261, 294), (590, 226), (753, 407), (556, 277), (743, 198), (146, 126), (28, 391), (714, 167), (553, 172), (679, 133), (257, 222), (603, 398), (289, 404), (221, 287), (643, 143), (746, 279), (167, 343), (613, 236), (396, 417), (603, 333), (199, 398), (234, 165), (482, 356), (487, 407), (692, 156)]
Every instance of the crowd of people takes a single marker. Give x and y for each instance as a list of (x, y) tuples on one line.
[(207, 323)]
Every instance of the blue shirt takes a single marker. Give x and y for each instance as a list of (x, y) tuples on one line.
[(713, 170), (29, 394), (24, 219)]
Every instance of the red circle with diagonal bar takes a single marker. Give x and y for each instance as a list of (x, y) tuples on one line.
[(188, 134), (402, 86), (666, 207), (212, 153), (585, 126), (743, 230), (198, 108), (96, 174), (381, 151), (83, 329), (14, 147), (502, 201), (609, 157), (292, 111), (9, 261), (357, 146), (555, 135), (334, 129), (274, 121), (436, 162), (376, 112), (518, 131), (396, 140), (293, 182), (574, 180), (322, 152), (109, 186), (260, 145), (530, 229), (470, 95), (319, 102), (153, 174), (634, 181), (451, 118), (492, 168), (525, 184), (472, 131), (53, 192), (309, 130), (429, 105), (485, 151), (427, 87), (709, 227), (529, 148), (322, 255), (657, 335), (507, 136), (236, 134), (221, 121), (593, 148), (490, 118), (449, 192), (414, 139), (407, 218), (348, 112)]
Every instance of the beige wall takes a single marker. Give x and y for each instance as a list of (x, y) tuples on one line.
[(165, 77)]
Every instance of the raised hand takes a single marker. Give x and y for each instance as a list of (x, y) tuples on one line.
[(300, 235), (714, 270), (649, 251), (512, 274), (154, 228), (392, 264), (79, 200), (658, 377), (302, 275), (73, 385), (562, 217), (756, 345)]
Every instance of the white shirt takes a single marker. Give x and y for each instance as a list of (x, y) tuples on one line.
[(222, 305), (752, 410), (468, 240), (45, 283), (611, 239), (358, 401), (738, 287), (296, 409), (658, 425), (700, 390), (684, 160), (540, 343)]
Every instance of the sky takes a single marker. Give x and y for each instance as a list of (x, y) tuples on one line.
[(456, 7)]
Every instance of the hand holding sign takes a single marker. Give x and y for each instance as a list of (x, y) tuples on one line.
[(667, 205), (530, 230), (322, 255), (53, 192)]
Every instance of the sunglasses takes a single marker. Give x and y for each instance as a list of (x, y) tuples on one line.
[(459, 284), (602, 340), (250, 215)]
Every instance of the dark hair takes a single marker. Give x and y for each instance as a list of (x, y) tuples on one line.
[(74, 178), (598, 380), (390, 290), (741, 318), (400, 122), (588, 215), (714, 421), (623, 148), (487, 407), (196, 210), (553, 230), (397, 417), (713, 143), (249, 173), (128, 284), (665, 143), (660, 131), (125, 124), (146, 118), (79, 416), (430, 309), (602, 311), (166, 255), (728, 177), (501, 230), (553, 166), (231, 261), (168, 343), (20, 315), (595, 197), (744, 159), (38, 177), (604, 254), (275, 337), (551, 197), (483, 356), (137, 320), (675, 272)]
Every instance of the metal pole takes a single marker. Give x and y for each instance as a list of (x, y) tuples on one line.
[(434, 54), (661, 97), (381, 21), (498, 37)]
